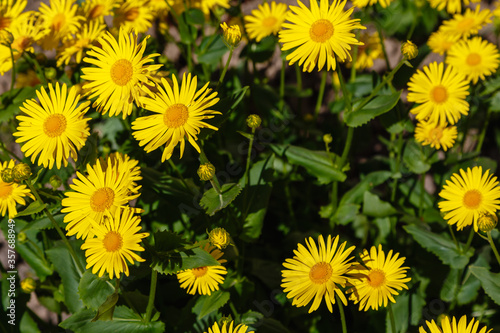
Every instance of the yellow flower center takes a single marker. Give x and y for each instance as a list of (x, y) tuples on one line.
[(465, 24), (446, 45), (439, 94), (132, 14), (113, 241), (54, 125), (473, 59), (121, 72), (5, 190), (376, 278), (200, 271), (102, 199), (472, 199), (321, 31), (435, 134), (96, 11), (4, 22), (176, 115), (320, 273), (269, 21), (58, 21)]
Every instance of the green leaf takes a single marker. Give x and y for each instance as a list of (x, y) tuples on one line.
[(33, 208), (63, 262), (195, 16), (471, 285), (373, 179), (93, 290), (187, 32), (168, 241), (317, 163), (106, 309), (174, 262), (211, 50), (445, 249), (377, 106), (414, 157), (46, 223), (212, 201), (489, 281), (373, 206), (207, 304), (450, 286), (261, 51)]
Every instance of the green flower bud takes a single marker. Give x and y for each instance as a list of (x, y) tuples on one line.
[(327, 138), (409, 50), (253, 121), (219, 237), (55, 181), (231, 34), (50, 73), (487, 222), (28, 285), (21, 237), (7, 175), (206, 171), (21, 171)]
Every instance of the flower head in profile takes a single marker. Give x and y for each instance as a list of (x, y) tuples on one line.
[(95, 197), (369, 51), (11, 193), (319, 35), (228, 327), (96, 10), (468, 195), (436, 135), (440, 92), (452, 326), (114, 243), (204, 280), (409, 50), (364, 3), (133, 14), (475, 58), (53, 129), (85, 38), (266, 20), (440, 42), (179, 115), (119, 69), (219, 238), (377, 278), (468, 23), (451, 6), (61, 19), (231, 35), (316, 272)]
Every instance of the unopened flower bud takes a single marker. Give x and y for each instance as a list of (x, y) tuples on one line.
[(7, 175), (21, 237), (487, 222), (50, 73), (206, 171), (28, 285), (219, 237), (21, 171), (327, 138), (225, 320), (409, 50), (231, 34), (253, 121), (55, 181)]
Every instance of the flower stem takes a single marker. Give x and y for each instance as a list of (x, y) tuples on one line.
[(493, 247), (382, 44), (342, 315), (422, 193), (38, 69), (282, 85), (391, 315), (151, 300), (13, 74), (319, 101), (247, 171), (483, 131), (347, 147), (469, 240), (345, 93), (454, 238), (225, 69)]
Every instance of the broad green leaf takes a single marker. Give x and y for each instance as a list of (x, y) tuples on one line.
[(373, 179), (174, 262), (106, 309), (212, 201), (373, 206), (471, 285), (45, 223), (450, 286), (206, 304), (93, 290), (211, 50), (187, 32), (490, 281), (28, 325), (317, 163), (195, 16), (50, 303), (445, 249), (66, 268), (168, 241), (345, 213), (377, 106), (414, 157), (33, 208), (78, 320), (261, 51)]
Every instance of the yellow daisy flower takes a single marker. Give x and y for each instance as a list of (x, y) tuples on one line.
[(436, 135), (96, 196), (179, 114), (61, 20), (204, 280), (265, 20), (441, 94), (469, 195), (97, 9), (319, 35), (468, 23), (364, 3), (377, 278), (114, 243), (370, 50), (120, 67), (317, 273), (11, 194), (228, 328), (10, 10), (453, 327), (133, 14), (124, 164), (75, 47), (475, 58), (452, 6), (53, 129), (440, 42)]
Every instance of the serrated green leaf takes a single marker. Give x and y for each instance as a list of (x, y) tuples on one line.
[(207, 304), (490, 281), (373, 179), (45, 223), (93, 290), (414, 158), (445, 249), (373, 206), (317, 163), (376, 107), (172, 263), (168, 241), (33, 208), (212, 201), (450, 286)]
